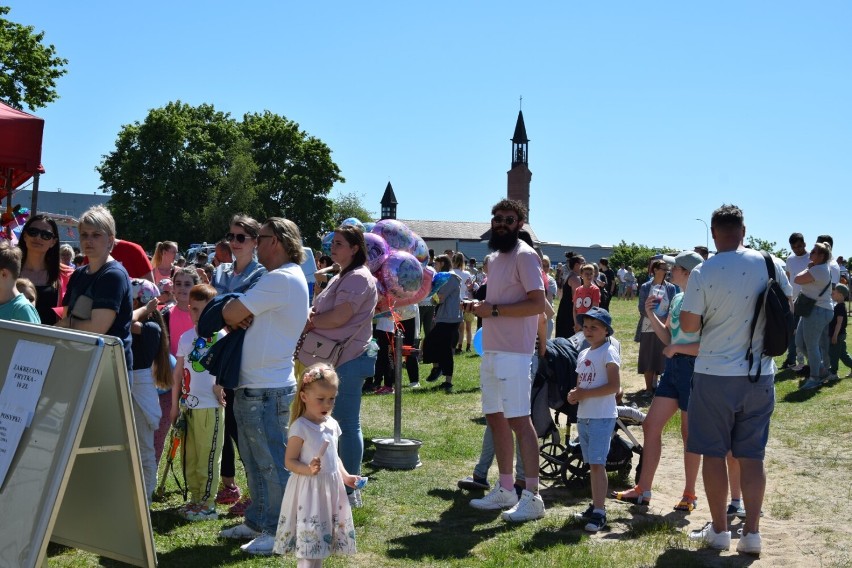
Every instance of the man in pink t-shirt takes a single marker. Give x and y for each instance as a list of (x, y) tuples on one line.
[(514, 299)]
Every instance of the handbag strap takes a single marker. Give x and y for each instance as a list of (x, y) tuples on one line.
[(770, 272)]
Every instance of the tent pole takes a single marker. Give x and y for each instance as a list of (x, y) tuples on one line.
[(34, 204)]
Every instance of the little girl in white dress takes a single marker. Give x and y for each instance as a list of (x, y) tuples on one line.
[(315, 520)]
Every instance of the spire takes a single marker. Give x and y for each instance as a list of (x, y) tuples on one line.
[(520, 136), (389, 203)]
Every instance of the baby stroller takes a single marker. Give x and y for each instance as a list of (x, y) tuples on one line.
[(557, 373)]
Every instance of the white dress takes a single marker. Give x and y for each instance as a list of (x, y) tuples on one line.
[(316, 520)]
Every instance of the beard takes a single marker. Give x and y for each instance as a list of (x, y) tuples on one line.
[(504, 242)]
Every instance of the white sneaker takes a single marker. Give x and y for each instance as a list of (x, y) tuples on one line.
[(529, 507), (355, 500), (708, 536), (240, 532), (749, 543), (261, 546), (499, 498)]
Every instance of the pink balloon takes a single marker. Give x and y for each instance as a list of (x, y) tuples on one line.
[(401, 275), (377, 251), (423, 292), (397, 234)]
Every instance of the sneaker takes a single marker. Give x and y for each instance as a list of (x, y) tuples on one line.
[(448, 387), (355, 500), (749, 543), (736, 511), (228, 495), (596, 522), (811, 384), (261, 546), (415, 385), (717, 541), (200, 512), (384, 390), (238, 509), (787, 365), (830, 378), (239, 532), (499, 498), (434, 375), (473, 483), (585, 515), (529, 507)]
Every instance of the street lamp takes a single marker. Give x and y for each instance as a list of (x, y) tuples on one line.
[(707, 239)]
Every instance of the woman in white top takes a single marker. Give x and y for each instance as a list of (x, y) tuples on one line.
[(465, 293)]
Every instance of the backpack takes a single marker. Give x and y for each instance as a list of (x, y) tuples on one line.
[(777, 330)]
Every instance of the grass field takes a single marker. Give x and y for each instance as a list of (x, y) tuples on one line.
[(419, 517)]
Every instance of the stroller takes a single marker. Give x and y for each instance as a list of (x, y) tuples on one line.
[(557, 375)]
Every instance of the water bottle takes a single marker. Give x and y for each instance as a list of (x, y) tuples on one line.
[(659, 292), (372, 348)]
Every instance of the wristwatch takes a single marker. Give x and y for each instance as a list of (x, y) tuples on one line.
[(494, 311)]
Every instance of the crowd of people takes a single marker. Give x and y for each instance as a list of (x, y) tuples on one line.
[(217, 349)]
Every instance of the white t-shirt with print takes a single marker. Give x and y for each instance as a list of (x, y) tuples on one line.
[(197, 382), (591, 373)]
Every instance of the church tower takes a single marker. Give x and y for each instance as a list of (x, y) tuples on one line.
[(389, 203), (520, 174)]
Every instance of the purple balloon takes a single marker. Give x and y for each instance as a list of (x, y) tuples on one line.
[(402, 275), (421, 250), (396, 234), (377, 251)]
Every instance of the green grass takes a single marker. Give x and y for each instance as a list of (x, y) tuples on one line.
[(419, 517)]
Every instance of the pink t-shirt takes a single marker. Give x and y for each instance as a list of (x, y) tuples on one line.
[(357, 288), (511, 275), (179, 322)]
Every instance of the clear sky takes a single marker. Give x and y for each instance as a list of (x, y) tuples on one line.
[(642, 116)]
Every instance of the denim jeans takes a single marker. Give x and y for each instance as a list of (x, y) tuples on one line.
[(791, 349), (486, 457), (810, 334), (263, 416), (347, 410)]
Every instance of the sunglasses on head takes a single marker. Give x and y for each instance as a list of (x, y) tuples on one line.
[(240, 237), (499, 219), (45, 235)]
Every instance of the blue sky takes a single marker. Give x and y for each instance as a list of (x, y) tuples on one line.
[(642, 116)]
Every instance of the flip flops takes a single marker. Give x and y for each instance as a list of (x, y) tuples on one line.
[(640, 498)]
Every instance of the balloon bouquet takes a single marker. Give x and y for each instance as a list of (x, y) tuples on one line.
[(12, 221)]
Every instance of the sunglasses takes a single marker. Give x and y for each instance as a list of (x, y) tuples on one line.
[(499, 219), (45, 235), (240, 237)]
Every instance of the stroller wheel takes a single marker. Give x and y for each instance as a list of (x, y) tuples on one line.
[(575, 471), (552, 458)]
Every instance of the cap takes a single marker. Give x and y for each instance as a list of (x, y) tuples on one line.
[(686, 259), (143, 290), (599, 314)]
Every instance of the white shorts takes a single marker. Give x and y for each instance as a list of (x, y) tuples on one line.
[(506, 383)]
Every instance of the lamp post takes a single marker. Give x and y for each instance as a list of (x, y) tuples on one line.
[(707, 238)]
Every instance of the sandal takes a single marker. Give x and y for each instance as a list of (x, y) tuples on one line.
[(688, 503), (639, 497)]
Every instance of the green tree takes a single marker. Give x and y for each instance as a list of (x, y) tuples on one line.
[(28, 68), (768, 246), (633, 255), (183, 171), (348, 205)]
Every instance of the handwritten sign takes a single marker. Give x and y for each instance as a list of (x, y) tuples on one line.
[(12, 426), (25, 377)]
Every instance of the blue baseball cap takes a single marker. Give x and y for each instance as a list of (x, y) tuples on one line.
[(599, 314)]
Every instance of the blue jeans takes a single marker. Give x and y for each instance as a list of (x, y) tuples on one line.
[(810, 334), (263, 416), (347, 410), (791, 349)]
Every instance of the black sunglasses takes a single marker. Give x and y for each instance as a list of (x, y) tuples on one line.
[(45, 235), (499, 219), (240, 238)]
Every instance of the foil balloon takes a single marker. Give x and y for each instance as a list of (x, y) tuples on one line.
[(368, 226), (377, 251), (421, 250), (326, 243), (396, 234), (439, 280), (401, 275), (352, 221)]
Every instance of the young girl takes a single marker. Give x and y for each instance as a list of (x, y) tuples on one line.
[(316, 520), (151, 370)]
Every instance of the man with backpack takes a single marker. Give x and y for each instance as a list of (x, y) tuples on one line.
[(733, 393)]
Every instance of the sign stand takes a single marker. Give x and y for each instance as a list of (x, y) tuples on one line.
[(76, 477)]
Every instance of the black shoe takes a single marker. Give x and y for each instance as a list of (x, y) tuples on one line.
[(434, 375), (467, 349), (458, 350), (446, 386)]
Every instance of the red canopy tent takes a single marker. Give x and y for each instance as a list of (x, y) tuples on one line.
[(20, 147)]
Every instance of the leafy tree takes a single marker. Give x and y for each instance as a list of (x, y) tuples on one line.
[(768, 246), (349, 205), (182, 172), (28, 68), (633, 255)]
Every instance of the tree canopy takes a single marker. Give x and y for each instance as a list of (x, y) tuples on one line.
[(349, 205), (183, 171), (28, 68)]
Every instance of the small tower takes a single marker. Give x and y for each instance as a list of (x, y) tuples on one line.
[(389, 203), (520, 174)]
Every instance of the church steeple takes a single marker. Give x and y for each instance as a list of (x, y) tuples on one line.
[(520, 175), (389, 203)]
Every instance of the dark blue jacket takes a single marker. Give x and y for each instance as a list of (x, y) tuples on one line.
[(223, 358)]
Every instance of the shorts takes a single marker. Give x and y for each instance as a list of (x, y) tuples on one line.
[(595, 435), (506, 383), (676, 381), (469, 317), (730, 414)]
